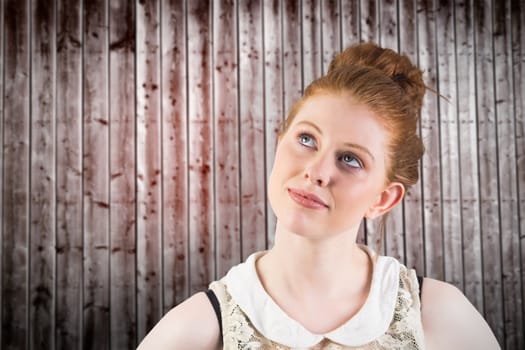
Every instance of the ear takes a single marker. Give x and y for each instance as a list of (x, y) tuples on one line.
[(387, 200)]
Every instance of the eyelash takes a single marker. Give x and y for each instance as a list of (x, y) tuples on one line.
[(340, 157)]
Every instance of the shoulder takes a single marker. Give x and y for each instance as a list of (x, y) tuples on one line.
[(177, 329), (451, 321)]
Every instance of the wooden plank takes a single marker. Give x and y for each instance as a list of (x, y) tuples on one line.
[(350, 33), (226, 136), (389, 38), (488, 169), (350, 23), (291, 54), (201, 192), (122, 169), (369, 31), (388, 29), (2, 118), (412, 204), (311, 43), (149, 178), (69, 240), (468, 153), (252, 127), (273, 94), (331, 31), (15, 194), (522, 248), (369, 21), (518, 72), (291, 65), (432, 213), (518, 59), (42, 221), (507, 194), (96, 177), (175, 157), (449, 139)]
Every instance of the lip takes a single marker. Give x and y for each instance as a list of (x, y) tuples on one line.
[(306, 199)]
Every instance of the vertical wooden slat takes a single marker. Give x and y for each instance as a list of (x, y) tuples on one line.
[(149, 179), (369, 31), (522, 248), (507, 191), (488, 171), (413, 214), (175, 159), (96, 177), (2, 117), (311, 40), (518, 72), (350, 26), (291, 56), (292, 66), (42, 242), (350, 33), (226, 135), (430, 134), (273, 93), (466, 109), (122, 172), (450, 174), (369, 21), (388, 28), (331, 31), (252, 127), (389, 38), (201, 190), (15, 168), (69, 238)]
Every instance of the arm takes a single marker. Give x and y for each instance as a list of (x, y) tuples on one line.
[(190, 325), (450, 321)]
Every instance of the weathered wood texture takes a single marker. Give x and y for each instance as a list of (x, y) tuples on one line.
[(138, 137), (252, 126), (42, 241), (175, 152), (149, 178), (123, 175), (465, 101), (16, 176), (69, 175), (96, 177)]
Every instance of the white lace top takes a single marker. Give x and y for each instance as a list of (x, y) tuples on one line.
[(389, 319)]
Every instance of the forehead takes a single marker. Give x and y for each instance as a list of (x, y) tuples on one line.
[(342, 116)]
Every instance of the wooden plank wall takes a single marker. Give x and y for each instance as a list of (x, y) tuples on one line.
[(137, 139)]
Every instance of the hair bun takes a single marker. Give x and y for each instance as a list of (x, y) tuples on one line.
[(396, 66)]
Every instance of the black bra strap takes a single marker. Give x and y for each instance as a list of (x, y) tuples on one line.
[(420, 281), (216, 306)]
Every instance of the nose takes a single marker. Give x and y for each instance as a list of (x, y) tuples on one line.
[(319, 171)]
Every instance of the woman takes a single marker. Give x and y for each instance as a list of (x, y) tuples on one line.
[(347, 150)]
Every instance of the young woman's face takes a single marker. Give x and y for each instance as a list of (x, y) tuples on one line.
[(330, 167)]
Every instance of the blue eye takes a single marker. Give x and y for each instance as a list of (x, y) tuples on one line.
[(306, 140), (351, 161)]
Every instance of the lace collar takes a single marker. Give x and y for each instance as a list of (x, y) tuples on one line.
[(370, 322)]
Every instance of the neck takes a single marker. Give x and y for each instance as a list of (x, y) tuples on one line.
[(324, 265)]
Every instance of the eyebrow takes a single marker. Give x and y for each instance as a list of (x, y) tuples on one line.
[(349, 144)]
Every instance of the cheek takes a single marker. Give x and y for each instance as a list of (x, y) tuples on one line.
[(359, 195)]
